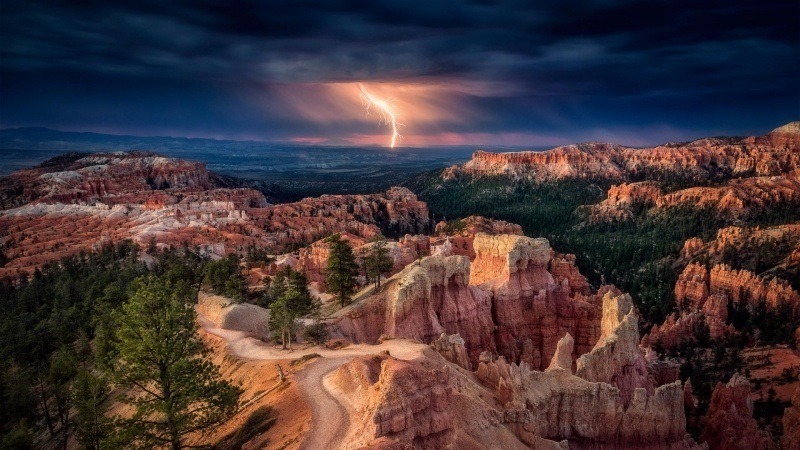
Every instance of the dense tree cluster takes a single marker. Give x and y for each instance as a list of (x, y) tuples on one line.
[(88, 323)]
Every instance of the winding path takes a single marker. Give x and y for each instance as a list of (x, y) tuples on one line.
[(330, 414), (329, 417)]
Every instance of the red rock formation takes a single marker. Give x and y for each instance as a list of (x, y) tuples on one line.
[(729, 423), (745, 240), (472, 225), (739, 196), (505, 301), (562, 267), (313, 259), (104, 177), (622, 199), (402, 402), (735, 198), (456, 237), (557, 405), (791, 423), (393, 213), (531, 311), (421, 302), (88, 202), (451, 347), (709, 291), (776, 153), (617, 359)]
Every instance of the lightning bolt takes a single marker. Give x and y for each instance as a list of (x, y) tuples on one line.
[(387, 110)]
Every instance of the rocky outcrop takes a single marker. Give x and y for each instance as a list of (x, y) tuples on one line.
[(424, 300), (736, 198), (393, 213), (557, 405), (505, 301), (402, 403), (531, 311), (791, 423), (775, 153), (739, 197), (472, 225), (85, 202), (729, 424), (622, 199), (113, 178), (457, 237), (451, 347), (313, 259), (562, 267), (709, 290), (617, 359), (705, 295)]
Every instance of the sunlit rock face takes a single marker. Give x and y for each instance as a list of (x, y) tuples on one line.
[(504, 301), (556, 405), (79, 204), (399, 402), (705, 295), (775, 153)]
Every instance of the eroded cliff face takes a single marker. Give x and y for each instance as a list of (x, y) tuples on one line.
[(84, 203), (601, 406), (505, 301), (421, 302), (729, 423), (401, 402), (706, 295), (775, 153), (617, 359), (113, 178), (457, 237), (736, 198)]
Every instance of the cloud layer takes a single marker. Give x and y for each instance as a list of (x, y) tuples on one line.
[(638, 72)]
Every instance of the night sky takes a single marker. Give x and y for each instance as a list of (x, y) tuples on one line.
[(480, 72)]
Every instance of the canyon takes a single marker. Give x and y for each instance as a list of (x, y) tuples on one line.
[(480, 336), (82, 203)]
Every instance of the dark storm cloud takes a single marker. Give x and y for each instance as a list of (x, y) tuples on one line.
[(643, 71)]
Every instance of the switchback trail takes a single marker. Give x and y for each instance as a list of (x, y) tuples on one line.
[(330, 416)]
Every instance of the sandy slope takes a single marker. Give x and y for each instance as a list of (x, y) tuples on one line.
[(330, 412)]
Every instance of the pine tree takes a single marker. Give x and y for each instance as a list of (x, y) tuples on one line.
[(377, 261), (341, 269), (91, 424), (294, 301), (175, 390)]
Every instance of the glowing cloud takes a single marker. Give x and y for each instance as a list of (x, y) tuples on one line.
[(386, 109)]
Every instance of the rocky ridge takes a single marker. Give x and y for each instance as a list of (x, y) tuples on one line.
[(773, 154), (85, 202), (505, 301)]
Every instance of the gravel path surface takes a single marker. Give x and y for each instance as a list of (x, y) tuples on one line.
[(330, 414)]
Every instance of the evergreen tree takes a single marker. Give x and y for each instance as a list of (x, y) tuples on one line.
[(377, 261), (91, 424), (175, 390), (294, 301), (341, 269)]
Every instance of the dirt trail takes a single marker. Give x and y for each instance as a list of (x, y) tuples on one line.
[(330, 413), (330, 419)]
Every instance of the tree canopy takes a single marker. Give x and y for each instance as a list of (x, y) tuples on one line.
[(341, 270)]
